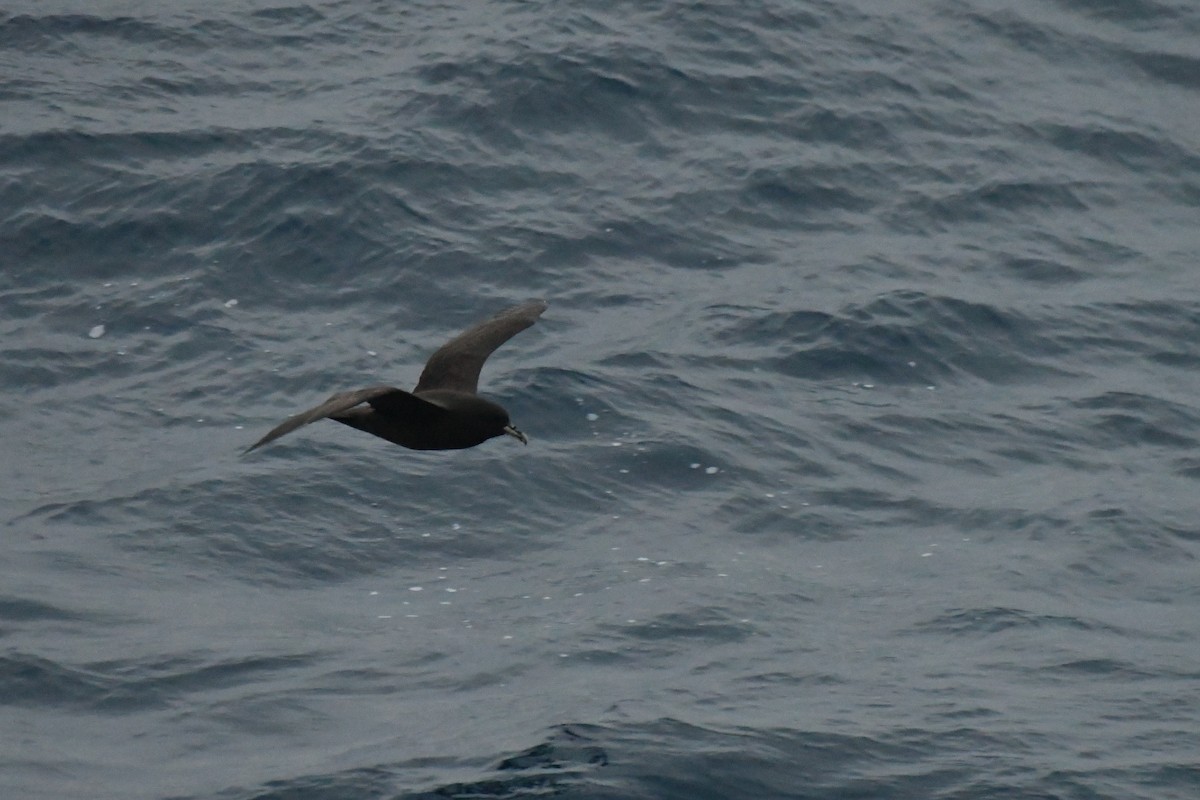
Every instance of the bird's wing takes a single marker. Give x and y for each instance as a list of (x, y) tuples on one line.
[(457, 363), (340, 402)]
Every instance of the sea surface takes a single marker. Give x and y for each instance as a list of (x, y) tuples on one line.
[(864, 421)]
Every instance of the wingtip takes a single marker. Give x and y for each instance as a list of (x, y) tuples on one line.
[(266, 439), (534, 307), (538, 303)]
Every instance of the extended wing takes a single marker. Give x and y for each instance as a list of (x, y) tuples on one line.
[(456, 364), (338, 404)]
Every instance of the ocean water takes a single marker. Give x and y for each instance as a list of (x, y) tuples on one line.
[(863, 420)]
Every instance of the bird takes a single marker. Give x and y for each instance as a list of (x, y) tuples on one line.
[(443, 412)]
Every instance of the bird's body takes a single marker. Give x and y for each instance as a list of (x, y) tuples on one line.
[(438, 421), (443, 412)]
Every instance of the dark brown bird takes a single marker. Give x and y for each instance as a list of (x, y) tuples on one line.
[(443, 412)]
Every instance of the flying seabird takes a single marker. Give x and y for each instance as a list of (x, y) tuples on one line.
[(443, 412)]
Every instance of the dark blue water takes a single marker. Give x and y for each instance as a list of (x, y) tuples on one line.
[(863, 422)]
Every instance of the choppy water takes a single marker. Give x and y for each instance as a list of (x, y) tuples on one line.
[(863, 421)]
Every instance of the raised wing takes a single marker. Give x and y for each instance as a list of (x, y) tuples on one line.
[(457, 363), (339, 403)]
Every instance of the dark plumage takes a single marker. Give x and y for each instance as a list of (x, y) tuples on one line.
[(443, 412)]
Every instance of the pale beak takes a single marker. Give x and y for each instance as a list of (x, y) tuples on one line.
[(516, 434)]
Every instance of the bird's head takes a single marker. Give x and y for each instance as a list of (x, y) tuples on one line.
[(476, 417)]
